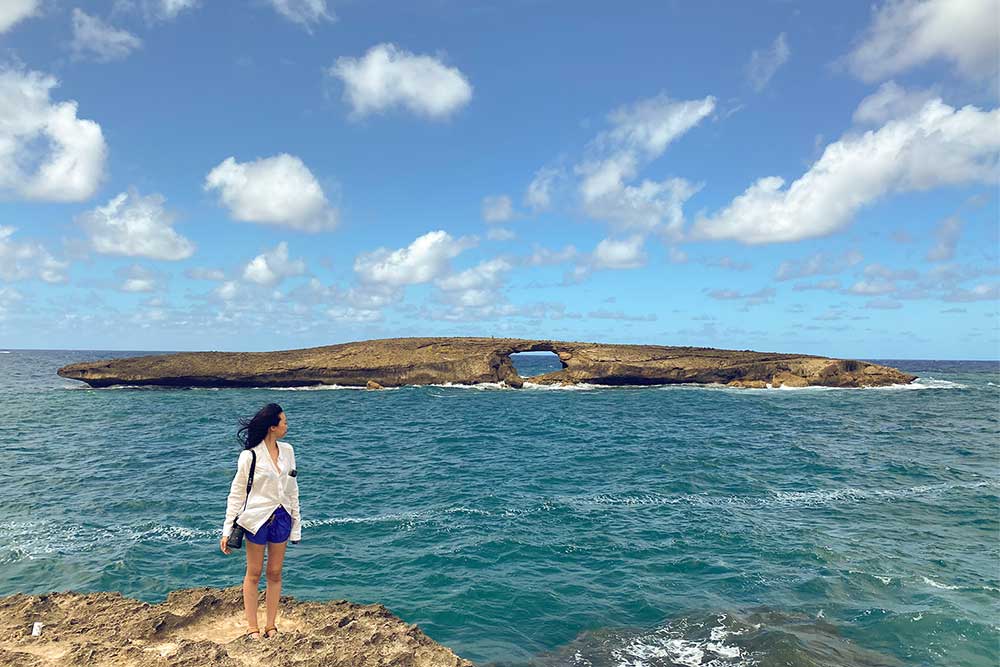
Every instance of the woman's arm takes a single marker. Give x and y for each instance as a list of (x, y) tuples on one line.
[(296, 517), (237, 492)]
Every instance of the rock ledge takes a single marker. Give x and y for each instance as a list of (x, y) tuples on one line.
[(203, 626)]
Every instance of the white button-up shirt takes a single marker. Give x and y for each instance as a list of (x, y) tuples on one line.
[(272, 486)]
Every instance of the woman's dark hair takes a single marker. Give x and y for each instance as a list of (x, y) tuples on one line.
[(253, 430)]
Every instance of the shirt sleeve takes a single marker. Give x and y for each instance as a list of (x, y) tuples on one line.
[(237, 491), (296, 534)]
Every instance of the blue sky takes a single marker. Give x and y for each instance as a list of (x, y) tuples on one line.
[(273, 174)]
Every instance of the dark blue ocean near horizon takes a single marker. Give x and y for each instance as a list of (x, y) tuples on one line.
[(584, 526)]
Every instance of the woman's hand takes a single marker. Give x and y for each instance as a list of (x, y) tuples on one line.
[(223, 546)]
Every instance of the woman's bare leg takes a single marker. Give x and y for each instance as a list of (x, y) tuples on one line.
[(251, 582), (275, 559)]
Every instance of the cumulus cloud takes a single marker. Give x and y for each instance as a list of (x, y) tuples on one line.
[(95, 39), (936, 146), (500, 234), (135, 226), (387, 77), (946, 235), (619, 253), (15, 11), (476, 286), (497, 209), (425, 259), (538, 196), (303, 12), (764, 63), (541, 256), (907, 33), (137, 278), (639, 133), (891, 101), (21, 260), (277, 190), (271, 267), (46, 152)]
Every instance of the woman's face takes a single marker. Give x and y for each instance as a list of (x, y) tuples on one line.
[(282, 427)]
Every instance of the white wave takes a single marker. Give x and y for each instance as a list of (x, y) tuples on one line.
[(812, 497), (670, 643), (4, 351), (936, 584), (315, 387), (481, 386), (583, 386)]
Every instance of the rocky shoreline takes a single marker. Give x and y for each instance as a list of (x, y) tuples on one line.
[(395, 362), (204, 626)]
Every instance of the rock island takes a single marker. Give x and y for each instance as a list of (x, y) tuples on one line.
[(395, 362)]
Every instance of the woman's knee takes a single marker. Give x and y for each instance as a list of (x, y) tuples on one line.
[(273, 575), (253, 573)]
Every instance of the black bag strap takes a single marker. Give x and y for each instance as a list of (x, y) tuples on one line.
[(253, 466)]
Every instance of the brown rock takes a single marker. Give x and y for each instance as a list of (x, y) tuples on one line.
[(393, 362), (372, 384), (203, 626), (748, 384)]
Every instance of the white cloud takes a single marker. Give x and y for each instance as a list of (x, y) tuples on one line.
[(278, 190), (46, 152), (907, 33), (171, 8), (816, 264), (946, 233), (422, 261), (640, 132), (387, 77), (29, 259), (497, 209), (486, 274), (95, 39), (873, 286), (500, 234), (136, 226), (271, 267), (763, 295), (619, 254), (934, 147), (649, 206), (539, 193), (477, 286), (201, 273), (228, 290), (8, 297), (763, 64), (14, 11), (137, 278), (303, 12), (357, 315), (891, 101), (541, 256)]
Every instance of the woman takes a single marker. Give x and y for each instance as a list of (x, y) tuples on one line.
[(271, 516)]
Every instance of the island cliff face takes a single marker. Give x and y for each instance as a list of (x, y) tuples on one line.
[(204, 626), (394, 362)]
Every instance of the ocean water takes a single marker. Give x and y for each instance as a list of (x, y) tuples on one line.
[(591, 526)]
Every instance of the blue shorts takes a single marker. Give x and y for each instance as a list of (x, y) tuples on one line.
[(277, 528)]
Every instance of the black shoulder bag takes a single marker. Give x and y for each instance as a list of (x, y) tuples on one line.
[(235, 540)]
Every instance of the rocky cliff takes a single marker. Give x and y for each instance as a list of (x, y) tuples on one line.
[(393, 362), (204, 626)]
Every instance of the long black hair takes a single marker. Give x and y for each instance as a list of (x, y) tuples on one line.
[(253, 430)]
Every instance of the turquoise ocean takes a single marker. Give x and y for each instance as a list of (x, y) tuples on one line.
[(586, 526)]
